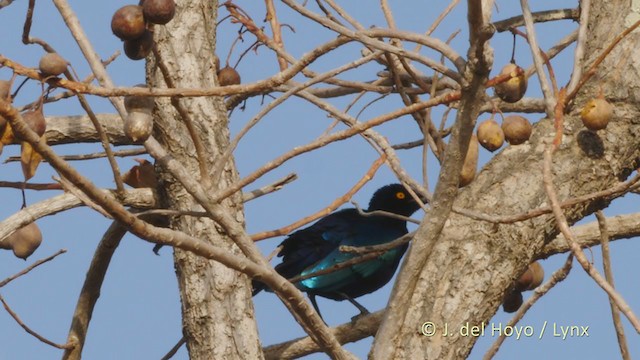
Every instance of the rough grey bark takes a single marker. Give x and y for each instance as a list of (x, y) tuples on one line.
[(216, 301), (474, 262)]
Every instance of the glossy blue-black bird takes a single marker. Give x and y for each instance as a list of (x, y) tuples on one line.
[(316, 248)]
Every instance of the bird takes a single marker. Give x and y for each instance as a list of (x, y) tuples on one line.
[(316, 248)]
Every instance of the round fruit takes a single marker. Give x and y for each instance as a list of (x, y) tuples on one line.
[(512, 302), (513, 89), (5, 89), (35, 120), (490, 135), (128, 22), (24, 241), (531, 278), (138, 126), (159, 11), (138, 49), (596, 114), (228, 76), (468, 172), (516, 129), (52, 64)]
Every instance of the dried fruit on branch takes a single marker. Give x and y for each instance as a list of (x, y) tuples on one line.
[(513, 89), (490, 135), (516, 129)]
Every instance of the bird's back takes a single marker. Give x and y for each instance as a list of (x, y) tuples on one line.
[(317, 248)]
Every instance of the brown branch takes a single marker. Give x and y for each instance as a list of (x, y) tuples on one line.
[(91, 289), (608, 273), (353, 331), (174, 349), (549, 97), (275, 186), (578, 55), (29, 186), (97, 155), (137, 198), (327, 210), (28, 329), (276, 30), (538, 17), (31, 267)]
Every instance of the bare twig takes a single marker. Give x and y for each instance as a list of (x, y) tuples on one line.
[(28, 329), (608, 273), (29, 186), (549, 97), (575, 248), (592, 69), (578, 56), (275, 186), (31, 267), (540, 16), (540, 291), (276, 30), (97, 155), (352, 331), (330, 208), (91, 289), (174, 349)]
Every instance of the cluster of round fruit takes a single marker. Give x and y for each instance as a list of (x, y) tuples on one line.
[(531, 279), (515, 129), (129, 23)]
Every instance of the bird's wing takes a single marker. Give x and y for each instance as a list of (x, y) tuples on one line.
[(308, 246)]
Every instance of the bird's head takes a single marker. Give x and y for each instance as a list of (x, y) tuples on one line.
[(393, 198)]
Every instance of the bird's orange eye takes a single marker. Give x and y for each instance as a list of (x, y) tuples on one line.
[(400, 195)]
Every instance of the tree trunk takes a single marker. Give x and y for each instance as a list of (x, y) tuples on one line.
[(474, 263), (216, 302)]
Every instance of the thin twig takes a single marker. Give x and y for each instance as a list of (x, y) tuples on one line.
[(267, 189), (592, 69), (31, 267), (550, 100), (174, 349), (327, 210), (28, 329), (608, 273), (575, 248), (540, 16), (97, 155), (276, 30), (29, 186), (578, 55), (91, 289), (539, 292)]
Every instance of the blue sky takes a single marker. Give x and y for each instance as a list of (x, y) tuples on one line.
[(138, 314)]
